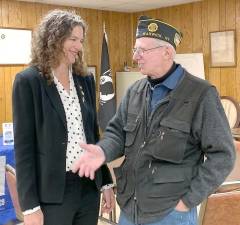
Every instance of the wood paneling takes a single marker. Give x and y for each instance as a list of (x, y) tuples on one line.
[(2, 98), (211, 23), (7, 75), (237, 82), (195, 20), (16, 14)]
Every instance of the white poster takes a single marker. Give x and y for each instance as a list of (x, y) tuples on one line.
[(15, 46), (192, 62)]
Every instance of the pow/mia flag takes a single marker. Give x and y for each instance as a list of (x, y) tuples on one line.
[(107, 103)]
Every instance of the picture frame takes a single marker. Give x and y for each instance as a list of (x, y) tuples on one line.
[(222, 49), (93, 71), (15, 52)]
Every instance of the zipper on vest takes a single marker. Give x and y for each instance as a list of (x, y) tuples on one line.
[(135, 208), (135, 174)]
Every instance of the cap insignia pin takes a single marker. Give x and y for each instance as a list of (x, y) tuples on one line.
[(152, 27)]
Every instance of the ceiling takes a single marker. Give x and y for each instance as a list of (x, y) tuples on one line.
[(116, 5)]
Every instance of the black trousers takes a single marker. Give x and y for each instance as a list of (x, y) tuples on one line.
[(80, 205)]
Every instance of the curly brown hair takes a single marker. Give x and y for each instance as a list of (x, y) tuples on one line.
[(48, 39)]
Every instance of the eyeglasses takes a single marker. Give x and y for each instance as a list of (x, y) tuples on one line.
[(141, 51)]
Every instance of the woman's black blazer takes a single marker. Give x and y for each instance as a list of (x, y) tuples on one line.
[(40, 136)]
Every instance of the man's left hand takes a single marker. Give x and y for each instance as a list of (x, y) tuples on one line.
[(181, 207)]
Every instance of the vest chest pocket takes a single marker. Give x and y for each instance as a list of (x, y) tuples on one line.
[(131, 129), (170, 143)]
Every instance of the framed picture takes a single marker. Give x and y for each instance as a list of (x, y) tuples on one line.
[(222, 48), (92, 70), (15, 46)]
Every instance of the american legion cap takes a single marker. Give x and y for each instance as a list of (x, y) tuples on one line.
[(154, 28)]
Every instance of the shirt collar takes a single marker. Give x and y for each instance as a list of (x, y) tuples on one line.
[(172, 81)]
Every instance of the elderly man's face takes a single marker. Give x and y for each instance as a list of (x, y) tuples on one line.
[(151, 57)]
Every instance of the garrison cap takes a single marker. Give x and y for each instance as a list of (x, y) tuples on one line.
[(154, 28)]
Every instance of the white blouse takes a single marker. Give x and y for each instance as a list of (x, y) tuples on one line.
[(73, 113)]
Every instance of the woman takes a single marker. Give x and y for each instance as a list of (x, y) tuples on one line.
[(54, 110)]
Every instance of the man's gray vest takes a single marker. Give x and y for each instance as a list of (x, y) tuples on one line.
[(159, 161)]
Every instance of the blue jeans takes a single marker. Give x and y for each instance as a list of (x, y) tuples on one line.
[(173, 218)]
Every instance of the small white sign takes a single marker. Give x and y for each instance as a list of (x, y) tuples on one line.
[(8, 134)]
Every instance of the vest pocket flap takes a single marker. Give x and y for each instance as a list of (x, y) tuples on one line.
[(131, 129), (176, 124), (168, 175)]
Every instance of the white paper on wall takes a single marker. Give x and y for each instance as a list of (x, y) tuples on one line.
[(192, 62), (15, 46)]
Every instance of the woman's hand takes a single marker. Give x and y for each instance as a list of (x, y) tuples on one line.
[(108, 200), (35, 218)]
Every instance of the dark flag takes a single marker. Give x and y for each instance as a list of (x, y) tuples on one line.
[(107, 102)]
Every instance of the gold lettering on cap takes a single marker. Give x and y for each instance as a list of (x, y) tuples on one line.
[(152, 27), (149, 34)]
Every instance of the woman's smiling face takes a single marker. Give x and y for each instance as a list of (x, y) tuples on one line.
[(73, 45)]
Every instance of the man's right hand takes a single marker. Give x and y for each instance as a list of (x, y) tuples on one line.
[(89, 161), (35, 218)]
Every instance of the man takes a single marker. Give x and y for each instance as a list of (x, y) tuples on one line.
[(173, 132)]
